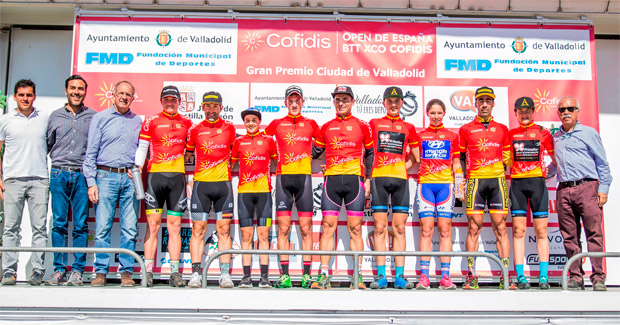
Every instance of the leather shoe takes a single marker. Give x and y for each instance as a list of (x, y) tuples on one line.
[(575, 285), (599, 285), (99, 280), (126, 280)]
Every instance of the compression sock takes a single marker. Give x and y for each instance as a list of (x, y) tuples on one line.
[(247, 270), (264, 269), (307, 265), (519, 269), (400, 270), (174, 266), (195, 267), (149, 265), (425, 267), (325, 269), (506, 262), (284, 267), (471, 265), (445, 270), (381, 270), (224, 268), (544, 269)]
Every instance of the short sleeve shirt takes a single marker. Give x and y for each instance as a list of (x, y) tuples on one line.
[(254, 153), (212, 143)]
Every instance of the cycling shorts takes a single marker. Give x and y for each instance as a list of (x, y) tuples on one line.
[(337, 188), (435, 197), (250, 204), (168, 188), (294, 189), (532, 189), (487, 191), (218, 194), (381, 188)]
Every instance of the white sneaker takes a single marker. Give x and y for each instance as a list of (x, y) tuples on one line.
[(195, 281), (226, 281)]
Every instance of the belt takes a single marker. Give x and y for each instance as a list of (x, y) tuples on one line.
[(577, 182), (68, 168), (121, 170)]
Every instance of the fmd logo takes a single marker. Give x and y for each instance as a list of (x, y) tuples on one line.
[(467, 65), (270, 109), (108, 58)]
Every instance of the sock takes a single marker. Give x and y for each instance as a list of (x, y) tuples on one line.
[(264, 269), (247, 269), (424, 267), (174, 266), (195, 267), (284, 267), (225, 268), (471, 265), (149, 265), (325, 269), (519, 269), (381, 270), (445, 270), (400, 270), (544, 269), (506, 261), (307, 265), (359, 267)]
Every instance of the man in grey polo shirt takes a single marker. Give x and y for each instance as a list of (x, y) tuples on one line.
[(25, 178), (67, 134)]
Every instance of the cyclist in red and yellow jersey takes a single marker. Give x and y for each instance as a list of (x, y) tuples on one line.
[(394, 139), (528, 173), (294, 135), (211, 140), (165, 134), (254, 152), (347, 142), (484, 143), (439, 163)]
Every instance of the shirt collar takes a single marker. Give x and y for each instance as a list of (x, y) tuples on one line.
[(526, 126), (481, 120), (392, 118), (433, 128), (577, 127), (344, 118), (35, 113)]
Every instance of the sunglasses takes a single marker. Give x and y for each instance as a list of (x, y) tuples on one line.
[(564, 109)]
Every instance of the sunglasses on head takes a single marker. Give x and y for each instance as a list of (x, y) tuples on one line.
[(570, 109)]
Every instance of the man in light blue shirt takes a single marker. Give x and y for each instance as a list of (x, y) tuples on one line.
[(584, 180), (112, 144)]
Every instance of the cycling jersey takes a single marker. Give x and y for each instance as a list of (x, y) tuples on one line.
[(392, 135), (167, 134), (254, 153), (294, 141), (213, 141), (528, 143), (344, 140), (438, 147), (484, 148)]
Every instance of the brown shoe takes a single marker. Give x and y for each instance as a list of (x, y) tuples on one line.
[(99, 280), (126, 280)]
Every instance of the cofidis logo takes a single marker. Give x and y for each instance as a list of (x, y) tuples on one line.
[(252, 41)]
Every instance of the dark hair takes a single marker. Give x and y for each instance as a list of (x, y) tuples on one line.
[(23, 83), (435, 101), (75, 77)]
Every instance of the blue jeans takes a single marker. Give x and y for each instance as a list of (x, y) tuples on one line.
[(69, 190), (115, 188)]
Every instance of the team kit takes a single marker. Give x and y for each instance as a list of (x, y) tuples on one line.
[(362, 160)]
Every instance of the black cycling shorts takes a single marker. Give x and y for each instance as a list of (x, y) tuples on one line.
[(381, 188), (294, 189), (337, 188), (534, 190), (168, 188), (218, 194), (487, 191), (250, 204)]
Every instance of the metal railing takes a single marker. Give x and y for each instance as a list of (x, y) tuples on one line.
[(355, 255), (579, 257), (87, 250)]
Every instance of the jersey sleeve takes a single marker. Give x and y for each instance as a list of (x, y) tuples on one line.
[(191, 138), (234, 155), (316, 130), (273, 150), (233, 134), (270, 130), (414, 138), (547, 141), (367, 132), (456, 152), (145, 130), (320, 139), (506, 152), (463, 139)]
